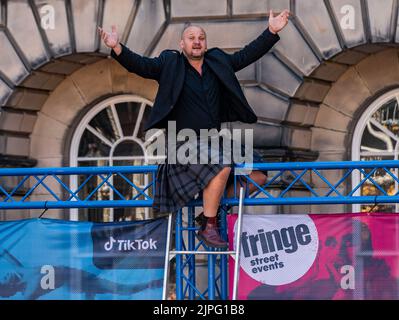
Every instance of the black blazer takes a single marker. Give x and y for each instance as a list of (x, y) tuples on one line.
[(169, 70)]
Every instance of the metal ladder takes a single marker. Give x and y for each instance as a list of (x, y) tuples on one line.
[(179, 252)]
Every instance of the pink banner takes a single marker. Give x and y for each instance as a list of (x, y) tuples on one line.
[(317, 256)]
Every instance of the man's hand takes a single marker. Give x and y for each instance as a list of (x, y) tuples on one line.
[(111, 39), (277, 23)]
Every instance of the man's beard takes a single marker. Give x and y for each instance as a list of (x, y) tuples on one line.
[(195, 57), (192, 57)]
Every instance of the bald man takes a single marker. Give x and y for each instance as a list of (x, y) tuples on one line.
[(198, 90)]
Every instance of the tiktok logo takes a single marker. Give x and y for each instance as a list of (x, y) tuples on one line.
[(109, 244), (131, 245)]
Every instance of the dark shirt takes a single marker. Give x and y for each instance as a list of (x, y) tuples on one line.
[(199, 102)]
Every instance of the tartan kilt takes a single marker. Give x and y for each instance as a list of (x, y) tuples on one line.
[(177, 184)]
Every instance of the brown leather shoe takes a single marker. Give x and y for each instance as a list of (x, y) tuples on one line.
[(209, 234)]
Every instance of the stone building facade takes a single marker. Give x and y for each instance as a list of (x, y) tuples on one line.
[(337, 60)]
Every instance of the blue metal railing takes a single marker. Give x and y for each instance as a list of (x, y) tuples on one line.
[(284, 177), (71, 199)]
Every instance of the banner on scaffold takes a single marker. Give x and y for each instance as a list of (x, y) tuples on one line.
[(66, 260), (317, 256)]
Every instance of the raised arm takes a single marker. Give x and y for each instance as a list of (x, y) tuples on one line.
[(133, 62), (261, 45)]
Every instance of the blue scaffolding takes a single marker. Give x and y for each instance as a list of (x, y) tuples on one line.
[(342, 188)]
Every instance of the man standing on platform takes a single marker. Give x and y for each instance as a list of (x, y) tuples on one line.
[(198, 90)]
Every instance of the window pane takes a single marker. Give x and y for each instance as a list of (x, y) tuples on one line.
[(103, 133), (128, 149), (129, 192), (105, 123), (103, 193), (388, 116), (382, 179), (375, 140), (379, 142), (91, 146), (376, 134), (146, 115), (124, 186), (128, 113)]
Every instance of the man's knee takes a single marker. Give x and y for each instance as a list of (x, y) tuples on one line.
[(225, 172), (259, 177), (222, 176)]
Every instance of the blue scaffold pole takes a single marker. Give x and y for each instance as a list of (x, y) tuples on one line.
[(223, 260), (191, 247), (211, 275), (179, 243)]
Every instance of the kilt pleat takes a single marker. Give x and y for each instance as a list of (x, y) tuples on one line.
[(177, 184)]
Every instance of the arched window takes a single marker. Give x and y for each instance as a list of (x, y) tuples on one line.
[(111, 134), (376, 137)]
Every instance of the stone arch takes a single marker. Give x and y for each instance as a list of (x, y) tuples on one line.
[(49, 138), (314, 52), (340, 109), (75, 94), (37, 60), (348, 97)]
